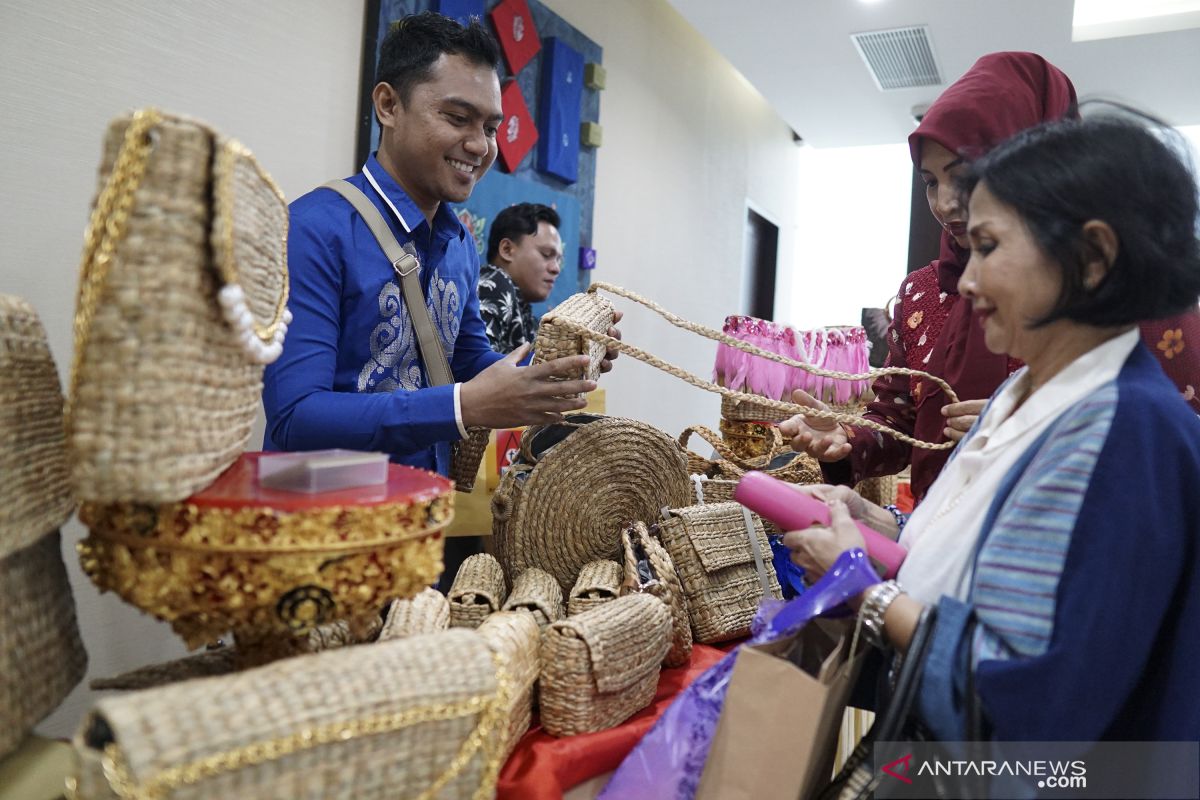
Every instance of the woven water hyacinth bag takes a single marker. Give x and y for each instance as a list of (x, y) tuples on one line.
[(599, 582), (428, 612), (601, 667), (516, 638), (648, 568), (384, 720), (478, 590), (41, 655), (182, 299), (781, 462), (35, 491), (558, 337), (575, 485), (536, 591), (724, 572)]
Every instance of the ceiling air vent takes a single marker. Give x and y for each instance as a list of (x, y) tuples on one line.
[(900, 58)]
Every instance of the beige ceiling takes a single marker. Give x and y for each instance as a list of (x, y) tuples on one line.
[(799, 55)]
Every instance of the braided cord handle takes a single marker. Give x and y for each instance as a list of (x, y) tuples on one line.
[(768, 402)]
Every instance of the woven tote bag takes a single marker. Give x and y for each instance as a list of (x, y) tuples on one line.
[(601, 667), (574, 487), (599, 582), (516, 639), (716, 564), (478, 591), (182, 299), (536, 591), (648, 568), (35, 492), (781, 462), (384, 720), (41, 655)]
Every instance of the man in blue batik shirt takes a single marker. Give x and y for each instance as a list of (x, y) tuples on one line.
[(351, 373)]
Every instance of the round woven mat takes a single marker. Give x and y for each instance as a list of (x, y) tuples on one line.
[(570, 508)]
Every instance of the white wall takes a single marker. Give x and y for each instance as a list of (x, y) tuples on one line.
[(687, 142), (852, 238), (280, 75)]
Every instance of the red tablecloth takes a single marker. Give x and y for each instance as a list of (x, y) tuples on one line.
[(542, 767)]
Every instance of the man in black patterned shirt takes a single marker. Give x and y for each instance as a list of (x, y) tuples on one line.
[(524, 258)]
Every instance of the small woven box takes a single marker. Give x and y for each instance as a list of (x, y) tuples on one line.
[(382, 721), (599, 582), (516, 639), (601, 667), (536, 591), (477, 591), (715, 562)]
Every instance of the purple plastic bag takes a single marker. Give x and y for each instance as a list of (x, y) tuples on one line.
[(667, 763)]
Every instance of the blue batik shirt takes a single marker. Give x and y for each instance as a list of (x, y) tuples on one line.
[(351, 373)]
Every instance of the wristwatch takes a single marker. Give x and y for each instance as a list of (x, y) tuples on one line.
[(874, 606)]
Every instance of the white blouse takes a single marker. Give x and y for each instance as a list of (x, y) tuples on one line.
[(940, 535)]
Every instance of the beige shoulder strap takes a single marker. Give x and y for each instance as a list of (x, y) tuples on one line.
[(404, 261)]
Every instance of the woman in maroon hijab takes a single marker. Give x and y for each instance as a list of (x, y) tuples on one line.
[(1001, 95)]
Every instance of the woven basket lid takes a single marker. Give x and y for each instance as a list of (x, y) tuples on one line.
[(583, 490), (35, 494)]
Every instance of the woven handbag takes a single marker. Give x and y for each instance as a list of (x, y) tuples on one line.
[(536, 591), (782, 462), (724, 572), (41, 655), (648, 568), (575, 485), (379, 721), (599, 582), (516, 639), (35, 493), (601, 667), (478, 590), (182, 299), (557, 336), (427, 612)]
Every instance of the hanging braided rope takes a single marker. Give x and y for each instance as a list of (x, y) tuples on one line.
[(566, 323)]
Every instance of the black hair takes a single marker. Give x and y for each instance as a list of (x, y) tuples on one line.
[(516, 221), (1131, 172), (415, 42)]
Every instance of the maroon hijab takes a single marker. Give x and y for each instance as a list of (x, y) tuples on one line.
[(1002, 95)]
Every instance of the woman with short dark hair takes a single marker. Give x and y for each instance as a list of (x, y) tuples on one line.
[(1063, 536)]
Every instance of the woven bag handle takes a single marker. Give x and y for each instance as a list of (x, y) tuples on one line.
[(778, 405), (728, 456)]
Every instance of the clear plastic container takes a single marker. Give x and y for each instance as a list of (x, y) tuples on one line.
[(322, 470)]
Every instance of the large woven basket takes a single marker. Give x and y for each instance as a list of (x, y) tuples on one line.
[(516, 639), (600, 668), (648, 568), (599, 582), (715, 562), (427, 612), (536, 591), (41, 654), (560, 507), (182, 299), (478, 591), (381, 721), (555, 341), (35, 491)]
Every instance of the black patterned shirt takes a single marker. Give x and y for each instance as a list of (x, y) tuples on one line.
[(508, 318)]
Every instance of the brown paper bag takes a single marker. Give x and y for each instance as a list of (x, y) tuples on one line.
[(779, 726)]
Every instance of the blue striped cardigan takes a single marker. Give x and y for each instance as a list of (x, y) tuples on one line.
[(1086, 586)]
